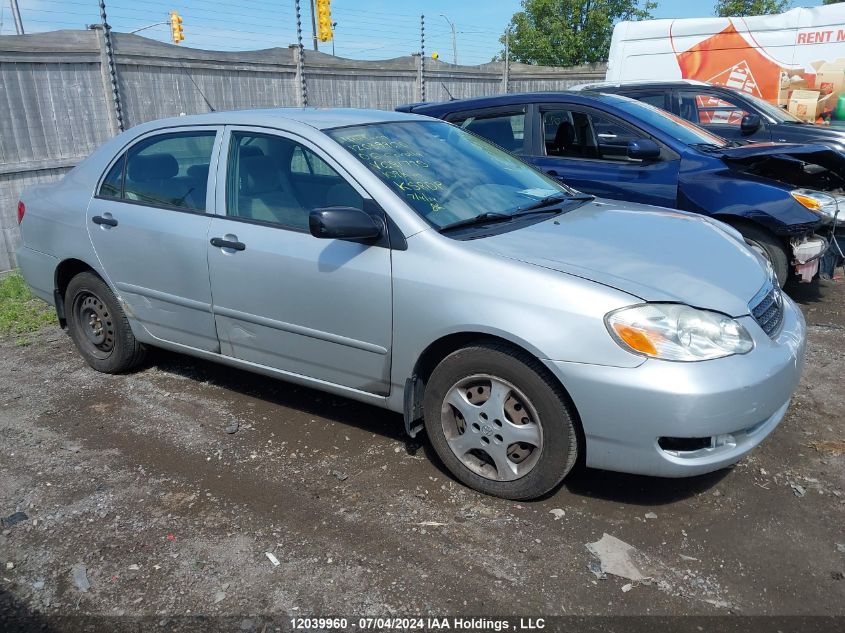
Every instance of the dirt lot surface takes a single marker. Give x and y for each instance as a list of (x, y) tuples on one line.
[(131, 484)]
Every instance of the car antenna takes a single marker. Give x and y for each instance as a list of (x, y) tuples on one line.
[(202, 94), (451, 98)]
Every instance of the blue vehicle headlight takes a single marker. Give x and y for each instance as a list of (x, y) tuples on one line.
[(676, 332), (822, 203)]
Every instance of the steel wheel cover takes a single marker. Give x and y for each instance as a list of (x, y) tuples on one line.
[(492, 427)]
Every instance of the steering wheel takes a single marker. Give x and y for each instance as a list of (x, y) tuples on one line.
[(454, 186)]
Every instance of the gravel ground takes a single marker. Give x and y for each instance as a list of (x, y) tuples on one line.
[(138, 502)]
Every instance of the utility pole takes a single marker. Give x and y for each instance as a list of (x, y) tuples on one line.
[(313, 26), (454, 39), (334, 28), (16, 14)]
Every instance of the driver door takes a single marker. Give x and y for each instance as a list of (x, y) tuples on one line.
[(282, 298), (587, 150)]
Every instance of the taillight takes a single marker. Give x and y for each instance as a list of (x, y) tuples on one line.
[(21, 211)]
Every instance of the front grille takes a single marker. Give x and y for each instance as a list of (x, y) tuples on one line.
[(768, 310)]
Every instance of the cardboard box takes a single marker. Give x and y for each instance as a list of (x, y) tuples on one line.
[(807, 105), (830, 77)]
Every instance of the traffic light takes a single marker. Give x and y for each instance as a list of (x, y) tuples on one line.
[(324, 21), (176, 27)]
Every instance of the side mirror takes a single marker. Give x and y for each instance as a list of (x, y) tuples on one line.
[(643, 149), (750, 123), (343, 223)]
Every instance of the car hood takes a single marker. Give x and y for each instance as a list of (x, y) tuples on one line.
[(655, 254), (811, 153)]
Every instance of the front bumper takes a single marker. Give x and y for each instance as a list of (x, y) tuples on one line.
[(737, 401)]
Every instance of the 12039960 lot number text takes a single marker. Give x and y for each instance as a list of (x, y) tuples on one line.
[(320, 624)]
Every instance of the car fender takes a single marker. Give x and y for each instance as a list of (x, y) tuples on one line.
[(710, 187), (547, 313)]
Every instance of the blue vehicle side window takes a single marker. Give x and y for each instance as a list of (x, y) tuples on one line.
[(112, 186), (583, 135), (507, 130)]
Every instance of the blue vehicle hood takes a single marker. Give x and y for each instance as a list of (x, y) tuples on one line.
[(817, 154), (655, 254)]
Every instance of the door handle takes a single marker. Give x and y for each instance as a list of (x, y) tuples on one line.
[(606, 135), (221, 243), (553, 173), (98, 219)]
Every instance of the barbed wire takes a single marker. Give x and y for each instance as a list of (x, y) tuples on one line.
[(238, 25)]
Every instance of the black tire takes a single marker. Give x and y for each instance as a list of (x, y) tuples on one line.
[(99, 327), (559, 438), (771, 246)]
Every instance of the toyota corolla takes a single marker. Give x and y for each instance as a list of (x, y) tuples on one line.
[(401, 261)]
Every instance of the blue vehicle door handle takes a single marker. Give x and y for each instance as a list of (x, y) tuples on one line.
[(108, 221), (223, 243)]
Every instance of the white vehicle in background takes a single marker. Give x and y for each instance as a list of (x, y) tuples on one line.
[(795, 59)]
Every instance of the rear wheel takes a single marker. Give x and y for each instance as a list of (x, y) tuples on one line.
[(99, 327), (770, 247), (499, 423)]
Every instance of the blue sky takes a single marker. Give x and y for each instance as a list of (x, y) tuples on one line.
[(367, 29)]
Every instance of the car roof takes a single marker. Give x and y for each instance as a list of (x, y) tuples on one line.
[(650, 83), (318, 118), (440, 108)]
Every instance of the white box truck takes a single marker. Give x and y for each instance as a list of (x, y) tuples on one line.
[(795, 59)]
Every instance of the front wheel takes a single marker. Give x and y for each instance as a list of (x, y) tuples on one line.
[(770, 247), (99, 327), (499, 422)]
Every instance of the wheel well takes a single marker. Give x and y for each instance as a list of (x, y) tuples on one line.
[(737, 222), (441, 348), (66, 271)]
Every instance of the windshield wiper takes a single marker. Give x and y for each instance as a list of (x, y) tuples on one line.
[(541, 206), (482, 218), (542, 202), (538, 206)]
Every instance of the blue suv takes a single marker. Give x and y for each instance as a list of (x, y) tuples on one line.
[(781, 197)]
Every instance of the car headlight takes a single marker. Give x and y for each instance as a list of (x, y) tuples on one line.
[(822, 203), (671, 331)]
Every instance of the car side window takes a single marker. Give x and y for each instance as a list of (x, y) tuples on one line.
[(656, 99), (304, 161), (505, 129), (112, 186), (705, 109), (570, 133), (275, 180), (166, 170)]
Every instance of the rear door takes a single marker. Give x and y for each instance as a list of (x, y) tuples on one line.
[(149, 227), (282, 298), (587, 150), (508, 127)]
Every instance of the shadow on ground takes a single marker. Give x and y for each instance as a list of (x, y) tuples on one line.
[(585, 482)]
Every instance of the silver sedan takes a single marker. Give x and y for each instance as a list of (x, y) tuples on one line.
[(403, 262)]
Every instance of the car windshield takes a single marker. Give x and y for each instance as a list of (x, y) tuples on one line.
[(778, 114), (676, 127), (445, 174)]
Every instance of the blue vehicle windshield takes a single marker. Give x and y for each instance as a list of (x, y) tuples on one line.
[(445, 174), (676, 127)]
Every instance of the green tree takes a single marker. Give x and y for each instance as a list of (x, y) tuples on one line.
[(832, 1), (731, 8), (569, 32)]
